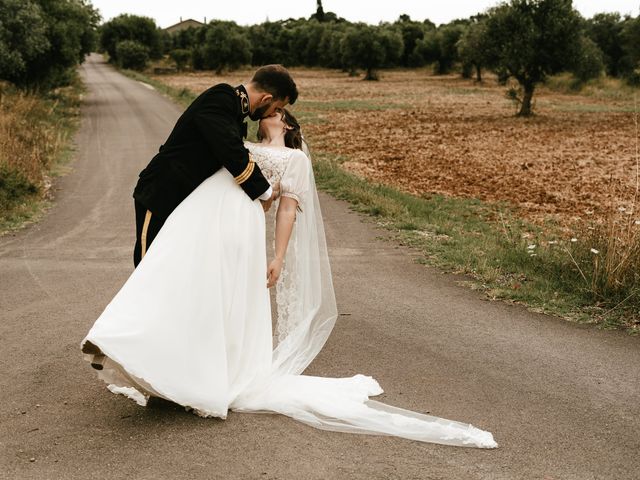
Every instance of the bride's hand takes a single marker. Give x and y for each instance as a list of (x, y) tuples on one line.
[(273, 272), (266, 204)]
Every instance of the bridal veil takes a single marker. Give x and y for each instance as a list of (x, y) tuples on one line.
[(307, 313)]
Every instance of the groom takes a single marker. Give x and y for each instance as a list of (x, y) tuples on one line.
[(207, 137)]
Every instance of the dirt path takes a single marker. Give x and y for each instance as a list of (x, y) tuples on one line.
[(561, 399)]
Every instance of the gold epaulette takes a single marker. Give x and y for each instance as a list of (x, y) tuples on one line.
[(244, 176), (244, 101)]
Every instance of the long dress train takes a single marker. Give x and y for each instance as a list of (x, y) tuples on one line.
[(192, 324)]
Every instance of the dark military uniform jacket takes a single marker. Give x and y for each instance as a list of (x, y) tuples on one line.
[(207, 137)]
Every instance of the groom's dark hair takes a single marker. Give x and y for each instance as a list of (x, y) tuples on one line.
[(276, 80)]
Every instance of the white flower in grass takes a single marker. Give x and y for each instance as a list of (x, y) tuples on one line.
[(531, 247), (622, 209), (593, 250), (552, 242), (533, 254), (637, 222), (574, 240)]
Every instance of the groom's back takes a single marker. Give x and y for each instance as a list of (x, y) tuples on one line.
[(186, 159), (219, 97)]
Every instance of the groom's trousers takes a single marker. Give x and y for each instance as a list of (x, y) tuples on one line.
[(148, 225)]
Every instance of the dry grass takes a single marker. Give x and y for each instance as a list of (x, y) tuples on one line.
[(613, 240), (34, 135), (27, 143)]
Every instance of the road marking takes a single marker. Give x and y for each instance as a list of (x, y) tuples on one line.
[(150, 87)]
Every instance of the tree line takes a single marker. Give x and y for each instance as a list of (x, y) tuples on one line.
[(42, 41), (527, 40), (522, 39)]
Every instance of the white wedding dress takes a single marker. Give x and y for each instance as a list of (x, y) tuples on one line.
[(192, 324)]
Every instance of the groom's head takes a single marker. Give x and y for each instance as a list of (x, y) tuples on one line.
[(270, 88)]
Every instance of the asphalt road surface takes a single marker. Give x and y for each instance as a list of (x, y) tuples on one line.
[(562, 400)]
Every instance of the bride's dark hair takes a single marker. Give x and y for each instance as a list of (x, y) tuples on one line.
[(293, 136)]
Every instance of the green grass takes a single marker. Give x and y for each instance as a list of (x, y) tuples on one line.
[(590, 108), (602, 88), (462, 90), (307, 117), (183, 96), (19, 199)]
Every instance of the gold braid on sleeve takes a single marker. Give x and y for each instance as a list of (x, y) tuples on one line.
[(244, 176)]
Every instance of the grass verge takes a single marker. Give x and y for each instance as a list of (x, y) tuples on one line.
[(35, 145), (506, 257), (183, 96)]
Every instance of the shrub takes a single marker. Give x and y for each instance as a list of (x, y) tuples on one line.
[(42, 41), (142, 30), (14, 187), (225, 46), (590, 61), (132, 54), (181, 58), (35, 129)]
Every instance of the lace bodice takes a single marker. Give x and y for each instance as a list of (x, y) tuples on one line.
[(272, 161), (288, 166)]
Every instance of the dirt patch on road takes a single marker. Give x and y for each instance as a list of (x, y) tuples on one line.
[(426, 134)]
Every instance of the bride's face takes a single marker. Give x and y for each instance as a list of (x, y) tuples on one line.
[(273, 123), (276, 119)]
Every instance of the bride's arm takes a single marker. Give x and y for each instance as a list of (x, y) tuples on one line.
[(285, 217)]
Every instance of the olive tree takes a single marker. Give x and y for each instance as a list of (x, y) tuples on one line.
[(411, 31), (368, 47), (531, 39), (471, 49), (226, 45), (606, 30), (440, 46), (631, 44)]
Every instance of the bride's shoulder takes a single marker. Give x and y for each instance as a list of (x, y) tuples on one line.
[(285, 153), (297, 154)]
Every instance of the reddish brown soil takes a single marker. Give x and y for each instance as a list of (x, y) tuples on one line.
[(428, 134)]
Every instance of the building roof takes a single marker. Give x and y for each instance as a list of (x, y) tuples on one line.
[(184, 24)]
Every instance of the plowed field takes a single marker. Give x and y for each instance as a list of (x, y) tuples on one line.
[(443, 134)]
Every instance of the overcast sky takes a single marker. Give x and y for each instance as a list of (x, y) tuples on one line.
[(249, 12)]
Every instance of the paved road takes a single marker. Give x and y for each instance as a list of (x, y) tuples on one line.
[(562, 400)]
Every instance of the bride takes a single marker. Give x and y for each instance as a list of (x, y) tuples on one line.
[(192, 324)]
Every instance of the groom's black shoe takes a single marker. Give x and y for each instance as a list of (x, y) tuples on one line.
[(161, 403), (91, 349), (98, 362), (98, 357)]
